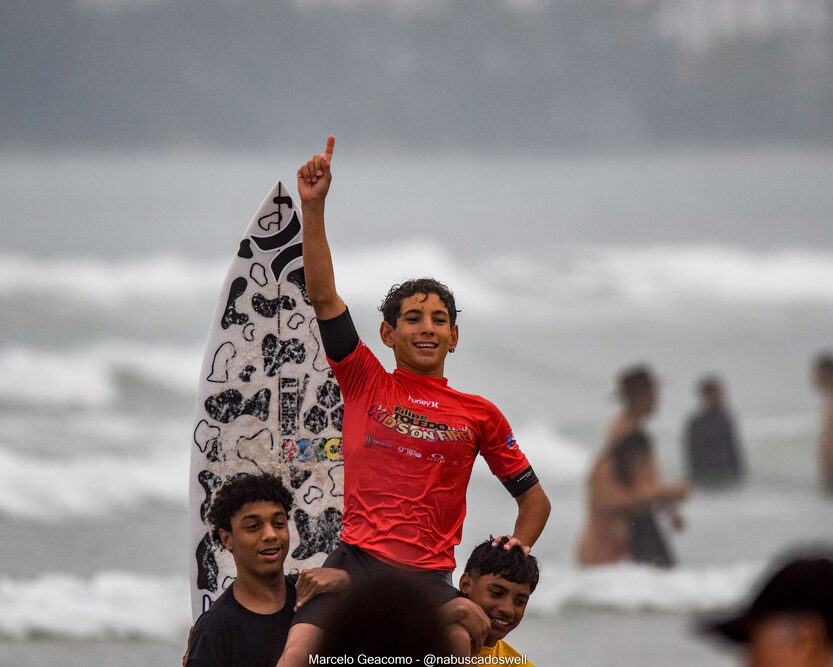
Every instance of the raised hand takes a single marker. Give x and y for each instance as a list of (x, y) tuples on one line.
[(314, 177)]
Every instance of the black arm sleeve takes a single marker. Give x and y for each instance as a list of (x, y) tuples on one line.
[(521, 482), (339, 336)]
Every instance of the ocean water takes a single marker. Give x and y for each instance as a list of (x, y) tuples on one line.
[(566, 270)]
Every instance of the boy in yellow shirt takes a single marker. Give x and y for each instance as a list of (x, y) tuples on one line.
[(500, 581)]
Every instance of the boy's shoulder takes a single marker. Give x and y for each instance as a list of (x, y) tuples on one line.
[(222, 607)]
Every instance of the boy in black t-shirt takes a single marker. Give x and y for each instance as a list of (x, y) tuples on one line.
[(248, 624)]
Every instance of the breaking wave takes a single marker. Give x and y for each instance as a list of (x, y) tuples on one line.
[(90, 376), (629, 588), (54, 488), (51, 488), (110, 605), (591, 276), (118, 605)]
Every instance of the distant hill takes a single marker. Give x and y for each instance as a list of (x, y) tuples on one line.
[(562, 75)]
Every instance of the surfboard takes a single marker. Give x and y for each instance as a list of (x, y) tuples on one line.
[(267, 400)]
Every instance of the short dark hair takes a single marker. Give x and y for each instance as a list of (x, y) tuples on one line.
[(513, 565), (708, 385), (636, 381), (392, 303), (240, 489)]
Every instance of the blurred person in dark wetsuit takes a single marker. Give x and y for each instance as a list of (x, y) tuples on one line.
[(823, 380), (712, 449)]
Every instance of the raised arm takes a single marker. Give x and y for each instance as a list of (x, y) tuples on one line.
[(314, 179)]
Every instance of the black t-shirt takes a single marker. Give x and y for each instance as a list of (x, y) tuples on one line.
[(229, 635)]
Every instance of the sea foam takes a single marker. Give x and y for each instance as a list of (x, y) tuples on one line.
[(120, 605), (588, 275), (554, 456), (54, 488), (152, 466), (89, 376), (110, 605), (630, 587), (110, 283)]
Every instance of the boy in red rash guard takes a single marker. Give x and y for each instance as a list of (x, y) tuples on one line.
[(409, 440)]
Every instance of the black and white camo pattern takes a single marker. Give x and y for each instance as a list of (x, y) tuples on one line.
[(267, 400)]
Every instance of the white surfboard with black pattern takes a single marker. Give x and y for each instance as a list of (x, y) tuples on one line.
[(267, 400)]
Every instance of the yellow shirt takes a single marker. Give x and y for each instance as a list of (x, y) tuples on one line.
[(503, 650)]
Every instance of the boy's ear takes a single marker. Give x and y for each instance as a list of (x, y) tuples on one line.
[(225, 538), (386, 333), (465, 583)]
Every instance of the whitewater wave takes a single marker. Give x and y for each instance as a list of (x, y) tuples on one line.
[(595, 279), (587, 276), (553, 456), (110, 283), (110, 605), (52, 488), (89, 376), (629, 588), (117, 605), (56, 488)]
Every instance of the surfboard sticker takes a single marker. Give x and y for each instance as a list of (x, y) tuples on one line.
[(267, 400)]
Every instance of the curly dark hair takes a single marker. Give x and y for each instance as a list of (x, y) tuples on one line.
[(240, 489), (392, 303), (513, 565)]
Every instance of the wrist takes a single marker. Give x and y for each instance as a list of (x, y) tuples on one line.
[(313, 205)]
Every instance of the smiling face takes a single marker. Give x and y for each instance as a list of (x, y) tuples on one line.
[(258, 540), (423, 335), (503, 601)]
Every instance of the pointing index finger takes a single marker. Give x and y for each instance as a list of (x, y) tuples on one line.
[(328, 152)]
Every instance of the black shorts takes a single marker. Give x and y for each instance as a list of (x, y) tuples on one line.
[(362, 567)]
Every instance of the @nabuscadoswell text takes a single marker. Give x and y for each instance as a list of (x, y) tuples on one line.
[(427, 660)]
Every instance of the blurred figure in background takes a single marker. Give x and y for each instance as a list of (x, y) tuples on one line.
[(712, 450), (624, 488), (823, 379), (790, 621)]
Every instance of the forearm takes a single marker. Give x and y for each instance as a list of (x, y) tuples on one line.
[(318, 263), (533, 512), (304, 640), (648, 499)]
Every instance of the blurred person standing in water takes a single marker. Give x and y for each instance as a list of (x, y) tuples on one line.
[(712, 450), (823, 380), (624, 489)]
